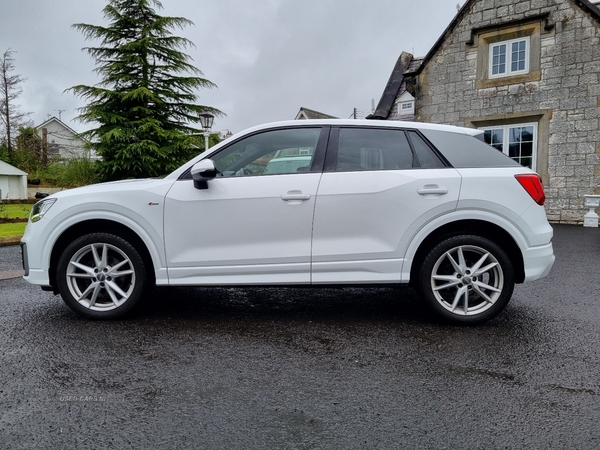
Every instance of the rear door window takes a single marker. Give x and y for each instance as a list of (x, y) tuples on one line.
[(367, 149), (426, 157)]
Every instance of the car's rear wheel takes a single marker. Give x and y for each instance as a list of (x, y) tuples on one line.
[(466, 279), (101, 276)]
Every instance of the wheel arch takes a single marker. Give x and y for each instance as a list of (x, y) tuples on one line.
[(488, 230), (99, 226)]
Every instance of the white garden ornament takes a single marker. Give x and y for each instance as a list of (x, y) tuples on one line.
[(590, 219)]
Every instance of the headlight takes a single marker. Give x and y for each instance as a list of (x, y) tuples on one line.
[(41, 208)]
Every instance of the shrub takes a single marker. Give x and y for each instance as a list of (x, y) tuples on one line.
[(74, 172)]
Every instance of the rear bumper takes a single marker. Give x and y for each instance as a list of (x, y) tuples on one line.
[(538, 261)]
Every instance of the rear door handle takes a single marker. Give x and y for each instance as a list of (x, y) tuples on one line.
[(432, 189)]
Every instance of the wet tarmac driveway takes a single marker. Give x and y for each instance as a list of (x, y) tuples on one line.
[(306, 369)]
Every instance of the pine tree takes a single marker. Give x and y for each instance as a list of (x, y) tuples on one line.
[(145, 104)]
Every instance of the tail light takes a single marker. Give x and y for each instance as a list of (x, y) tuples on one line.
[(532, 183)]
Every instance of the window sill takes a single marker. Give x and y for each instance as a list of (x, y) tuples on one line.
[(535, 75)]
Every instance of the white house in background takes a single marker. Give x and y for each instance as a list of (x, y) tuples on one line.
[(13, 182), (63, 140)]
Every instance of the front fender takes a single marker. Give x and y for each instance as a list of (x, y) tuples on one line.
[(47, 232)]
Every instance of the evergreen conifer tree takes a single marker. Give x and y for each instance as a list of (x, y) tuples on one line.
[(144, 106)]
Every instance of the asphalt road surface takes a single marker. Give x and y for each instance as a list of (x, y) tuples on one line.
[(306, 369)]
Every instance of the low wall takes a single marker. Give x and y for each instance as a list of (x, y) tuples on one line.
[(32, 190)]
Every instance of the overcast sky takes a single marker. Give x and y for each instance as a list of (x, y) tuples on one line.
[(267, 57)]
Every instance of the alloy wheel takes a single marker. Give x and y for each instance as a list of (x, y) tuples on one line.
[(467, 280), (100, 277)]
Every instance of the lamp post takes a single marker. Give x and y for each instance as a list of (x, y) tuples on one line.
[(206, 119)]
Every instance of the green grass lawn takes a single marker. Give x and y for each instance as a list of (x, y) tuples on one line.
[(15, 211), (12, 230)]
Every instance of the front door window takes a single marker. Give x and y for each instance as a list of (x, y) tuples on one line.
[(275, 152)]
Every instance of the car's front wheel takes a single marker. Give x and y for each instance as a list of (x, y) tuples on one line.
[(466, 279), (101, 276)]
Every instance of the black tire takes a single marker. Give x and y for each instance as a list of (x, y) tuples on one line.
[(466, 279), (101, 276)]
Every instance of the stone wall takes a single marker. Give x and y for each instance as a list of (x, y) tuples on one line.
[(31, 191), (564, 99)]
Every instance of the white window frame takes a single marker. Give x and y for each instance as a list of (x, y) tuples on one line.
[(506, 138), (508, 62), (406, 104)]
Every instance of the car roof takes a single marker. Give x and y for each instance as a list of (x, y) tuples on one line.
[(332, 122), (366, 123)]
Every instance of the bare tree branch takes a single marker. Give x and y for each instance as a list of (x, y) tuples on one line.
[(11, 118)]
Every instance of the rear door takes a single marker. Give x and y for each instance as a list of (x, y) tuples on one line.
[(379, 187)]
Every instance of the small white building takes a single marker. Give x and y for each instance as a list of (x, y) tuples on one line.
[(13, 182), (63, 140)]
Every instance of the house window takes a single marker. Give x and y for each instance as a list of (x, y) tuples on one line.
[(516, 141), (509, 57), (405, 104), (509, 54)]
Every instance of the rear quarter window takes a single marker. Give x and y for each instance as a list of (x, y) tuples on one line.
[(466, 151)]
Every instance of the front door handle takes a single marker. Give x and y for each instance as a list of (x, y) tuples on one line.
[(295, 196), (432, 189)]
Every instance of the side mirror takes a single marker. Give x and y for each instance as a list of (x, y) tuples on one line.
[(202, 172)]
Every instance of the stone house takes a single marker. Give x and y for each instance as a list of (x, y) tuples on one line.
[(524, 71)]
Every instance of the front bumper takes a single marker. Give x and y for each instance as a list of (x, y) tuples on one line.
[(39, 277), (24, 258)]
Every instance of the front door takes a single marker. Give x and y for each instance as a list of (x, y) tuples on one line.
[(253, 224)]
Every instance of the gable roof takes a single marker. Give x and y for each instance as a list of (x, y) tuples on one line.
[(406, 63), (391, 89), (586, 5), (406, 97), (306, 113), (399, 73), (60, 122), (7, 169)]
